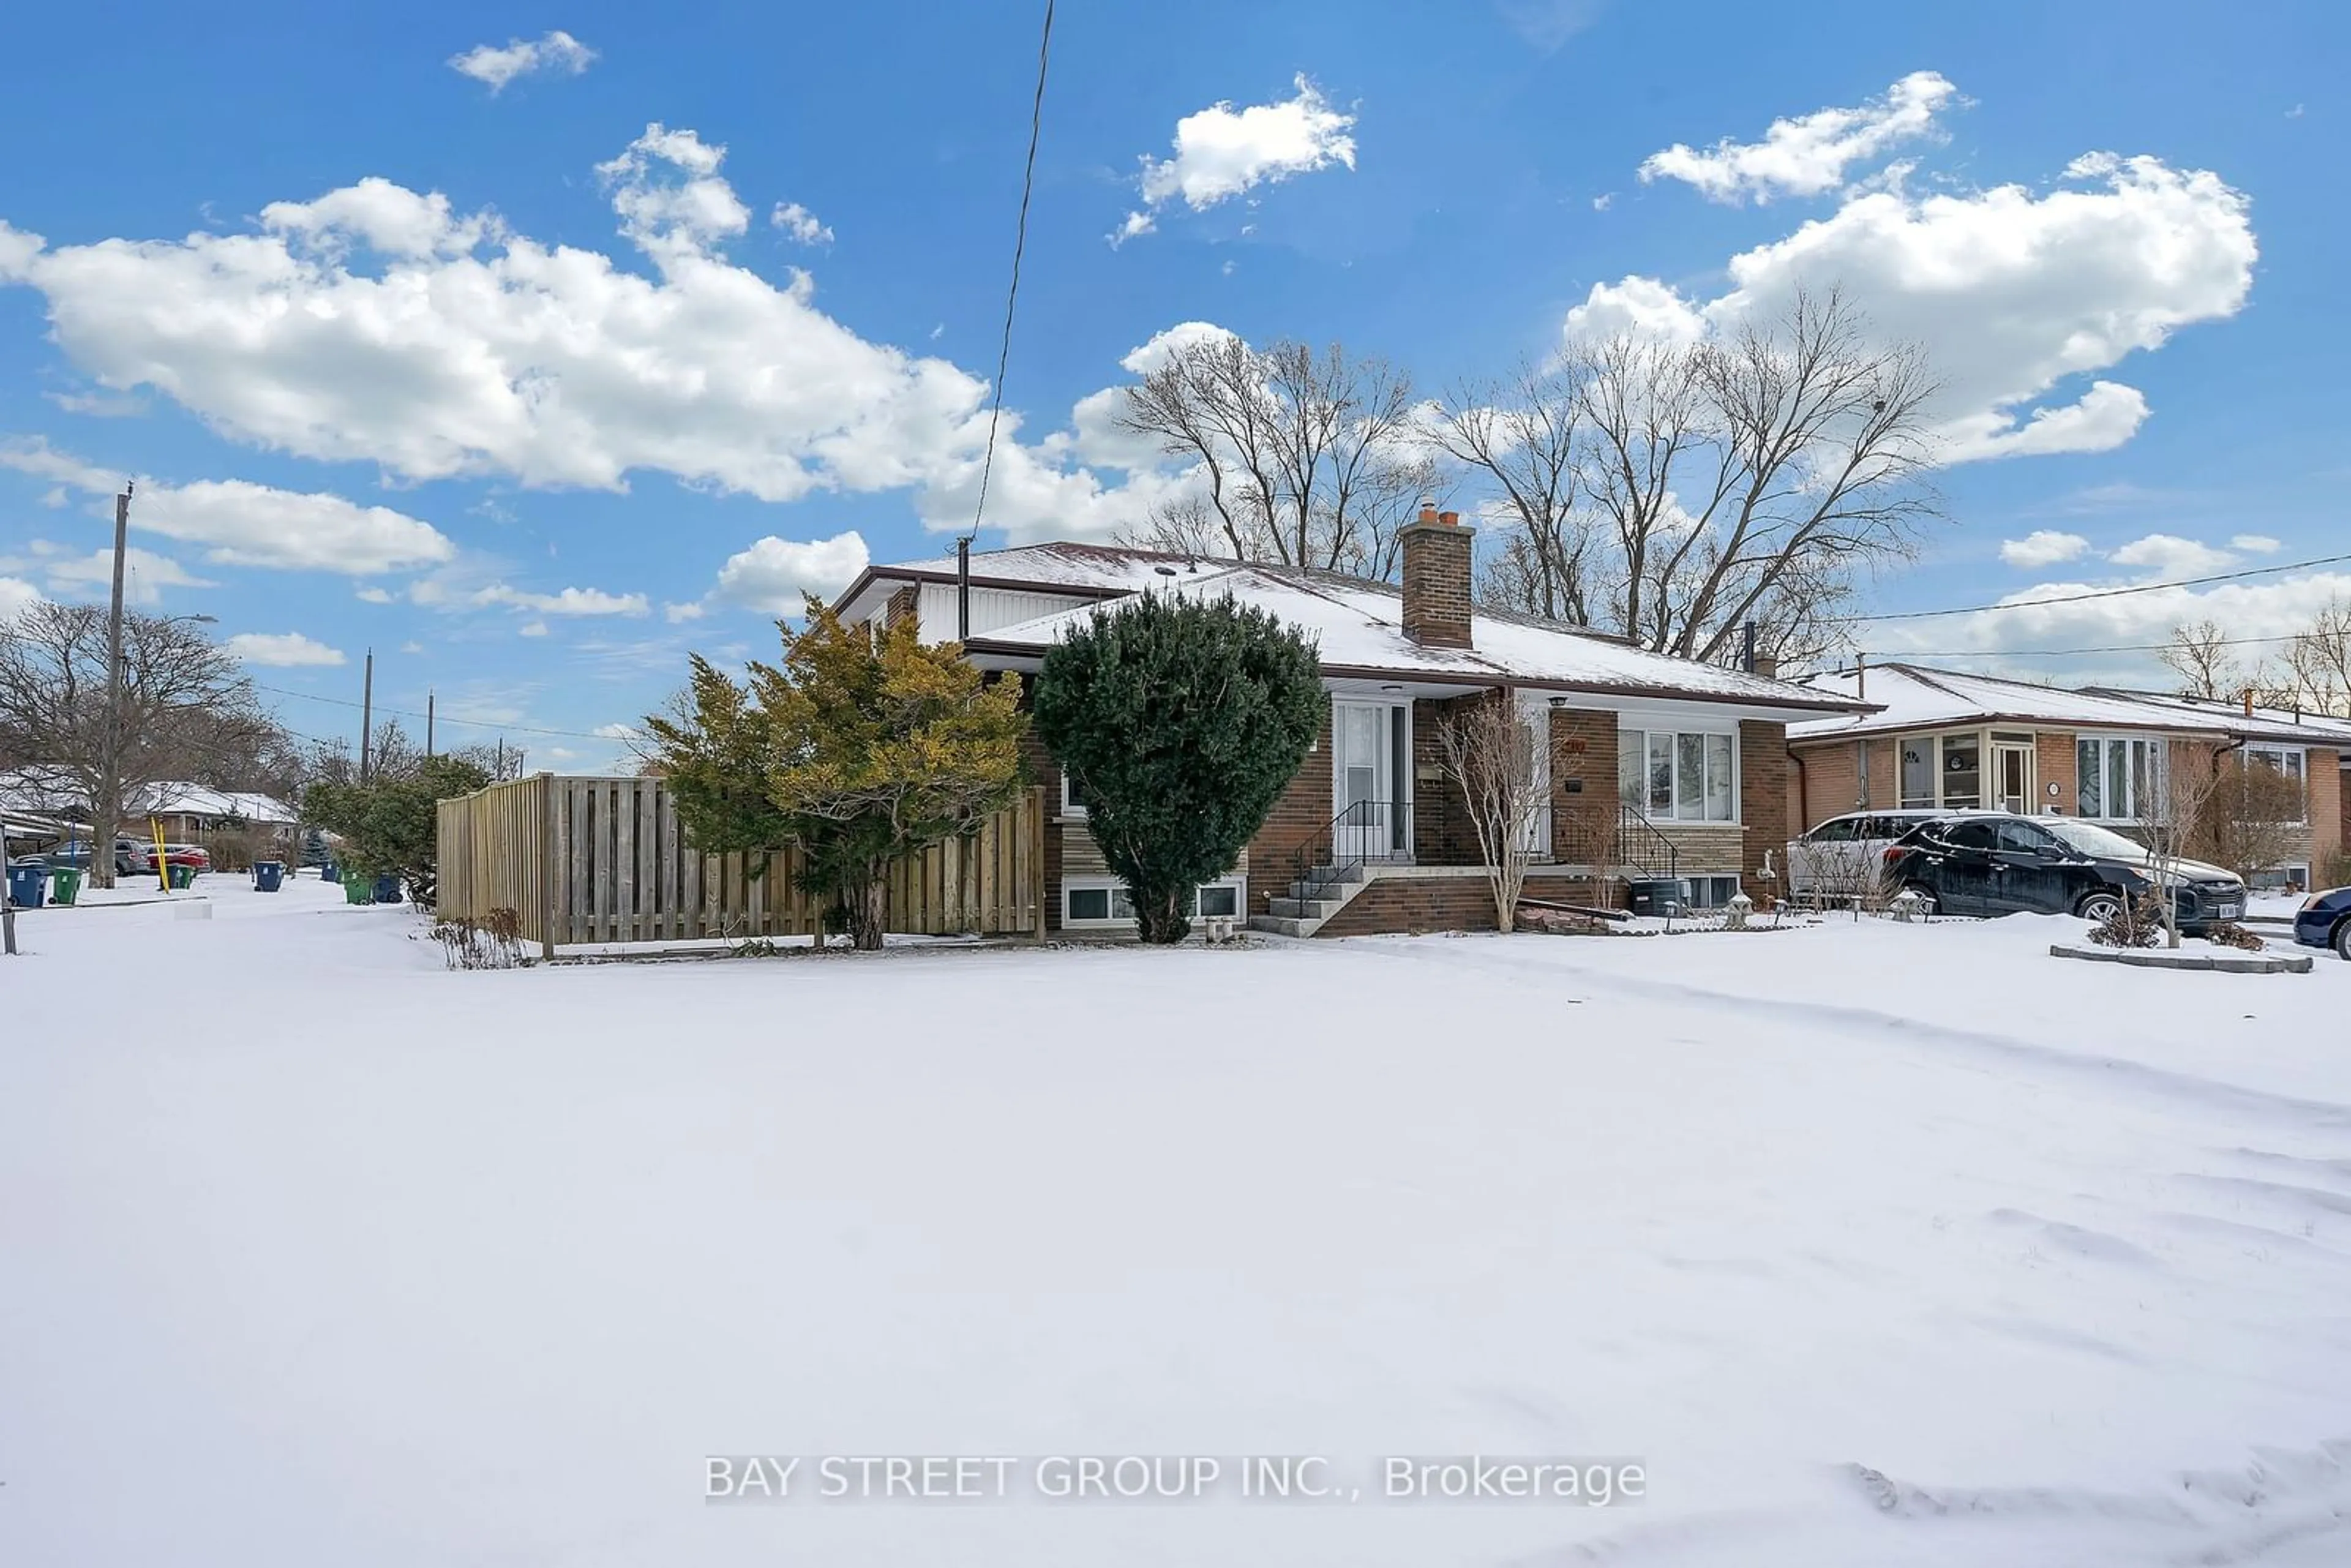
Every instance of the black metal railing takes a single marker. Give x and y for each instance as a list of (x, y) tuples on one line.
[(1625, 842), (1369, 831)]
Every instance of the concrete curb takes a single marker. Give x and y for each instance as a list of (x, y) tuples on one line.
[(2226, 963)]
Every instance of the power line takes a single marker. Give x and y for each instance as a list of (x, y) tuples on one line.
[(444, 719), (2095, 594), (1019, 246), (1898, 655)]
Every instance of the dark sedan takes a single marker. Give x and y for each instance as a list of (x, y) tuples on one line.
[(1990, 863), (2324, 920)]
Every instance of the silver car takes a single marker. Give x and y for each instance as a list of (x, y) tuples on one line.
[(1841, 858)]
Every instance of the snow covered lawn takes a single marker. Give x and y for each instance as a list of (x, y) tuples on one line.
[(1873, 1245)]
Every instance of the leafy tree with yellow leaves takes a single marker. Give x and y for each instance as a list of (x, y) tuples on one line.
[(859, 749)]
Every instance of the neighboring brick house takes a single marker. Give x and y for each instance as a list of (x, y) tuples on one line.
[(1944, 740), (1651, 759)]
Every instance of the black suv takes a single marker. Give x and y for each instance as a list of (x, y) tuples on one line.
[(1990, 863)]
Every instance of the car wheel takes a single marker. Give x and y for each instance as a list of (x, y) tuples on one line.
[(2097, 908), (1927, 895), (2343, 937)]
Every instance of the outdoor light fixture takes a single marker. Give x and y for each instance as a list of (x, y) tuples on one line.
[(1391, 688)]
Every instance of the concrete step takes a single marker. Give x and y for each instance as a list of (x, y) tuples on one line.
[(1283, 924), (1321, 892), (1354, 872), (1305, 908)]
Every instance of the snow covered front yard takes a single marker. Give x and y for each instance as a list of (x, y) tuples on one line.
[(1870, 1244)]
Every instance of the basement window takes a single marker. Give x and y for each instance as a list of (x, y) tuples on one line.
[(1107, 903)]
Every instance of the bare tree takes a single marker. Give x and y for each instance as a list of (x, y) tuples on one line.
[(2317, 673), (186, 712), (1520, 437), (2171, 816), (1490, 752), (1749, 477), (1303, 457), (2200, 656), (2253, 818)]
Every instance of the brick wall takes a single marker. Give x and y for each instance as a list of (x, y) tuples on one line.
[(2330, 812), (1583, 749), (1830, 785), (1406, 904), (1437, 572), (2056, 762), (1763, 796), (902, 606), (1442, 833), (1302, 812)]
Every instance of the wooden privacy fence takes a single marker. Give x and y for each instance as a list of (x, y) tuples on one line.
[(604, 861)]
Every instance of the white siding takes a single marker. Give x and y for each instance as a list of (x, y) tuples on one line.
[(992, 608)]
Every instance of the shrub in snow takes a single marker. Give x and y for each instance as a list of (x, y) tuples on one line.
[(857, 750), (2136, 923), (390, 822), (1179, 722)]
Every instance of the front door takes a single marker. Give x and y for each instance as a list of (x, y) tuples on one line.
[(2011, 778), (1363, 779)]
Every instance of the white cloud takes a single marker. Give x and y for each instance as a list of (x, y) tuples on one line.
[(1807, 155), (614, 732), (2257, 544), (375, 596), (245, 524), (1603, 201), (800, 224), (2043, 548), (2165, 556), (16, 596), (376, 325), (570, 602), (675, 613), (1222, 151), (495, 66), (2128, 621), (144, 578), (773, 573), (2012, 293), (281, 650), (533, 629)]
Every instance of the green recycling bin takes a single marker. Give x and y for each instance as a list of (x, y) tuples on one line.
[(183, 876), (65, 884), (357, 890)]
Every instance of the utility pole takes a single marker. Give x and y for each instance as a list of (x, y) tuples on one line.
[(428, 721), (501, 773), (367, 714), (108, 807)]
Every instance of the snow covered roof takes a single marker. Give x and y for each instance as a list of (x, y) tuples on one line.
[(1358, 627), (178, 800), (1093, 570), (1910, 697), (2267, 723)]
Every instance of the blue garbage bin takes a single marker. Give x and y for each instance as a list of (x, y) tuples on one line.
[(268, 875), (28, 884), (329, 872), (387, 890)]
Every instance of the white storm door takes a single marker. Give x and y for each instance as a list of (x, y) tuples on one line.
[(1361, 785)]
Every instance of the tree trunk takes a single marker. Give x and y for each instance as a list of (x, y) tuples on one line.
[(1159, 916), (869, 913)]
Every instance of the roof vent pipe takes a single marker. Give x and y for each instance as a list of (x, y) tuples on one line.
[(963, 588)]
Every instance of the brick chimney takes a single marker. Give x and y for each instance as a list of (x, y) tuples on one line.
[(1436, 550)]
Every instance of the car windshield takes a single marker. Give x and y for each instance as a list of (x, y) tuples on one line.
[(2094, 840)]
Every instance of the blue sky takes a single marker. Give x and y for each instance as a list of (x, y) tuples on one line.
[(506, 372)]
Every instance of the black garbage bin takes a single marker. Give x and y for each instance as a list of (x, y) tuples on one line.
[(1665, 895)]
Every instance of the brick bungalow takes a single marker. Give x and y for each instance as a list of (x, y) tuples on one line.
[(1655, 764), (1944, 740)]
